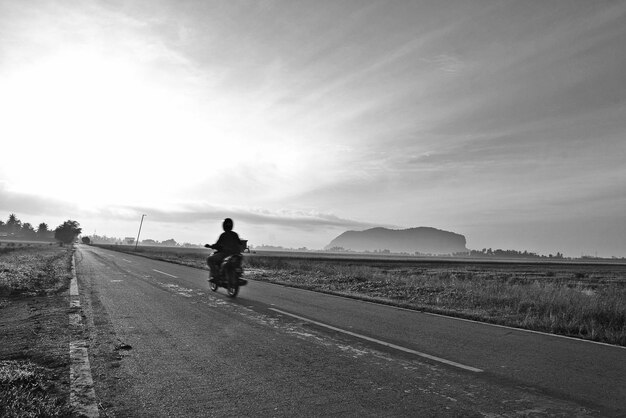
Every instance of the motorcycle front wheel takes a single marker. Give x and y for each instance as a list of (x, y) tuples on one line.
[(213, 286), (233, 290), (232, 287)]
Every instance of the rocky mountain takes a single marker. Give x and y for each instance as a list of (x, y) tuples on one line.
[(423, 240)]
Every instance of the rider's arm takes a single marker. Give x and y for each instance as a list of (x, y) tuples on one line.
[(219, 245)]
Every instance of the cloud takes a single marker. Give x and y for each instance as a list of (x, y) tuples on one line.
[(17, 202), (30, 204), (447, 63), (195, 213)]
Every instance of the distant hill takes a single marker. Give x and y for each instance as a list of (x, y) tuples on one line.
[(424, 240)]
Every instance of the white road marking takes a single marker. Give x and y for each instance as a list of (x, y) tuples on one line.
[(167, 274), (386, 344), (128, 261)]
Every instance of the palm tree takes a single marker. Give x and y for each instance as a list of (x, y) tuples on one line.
[(42, 231), (13, 224), (28, 231)]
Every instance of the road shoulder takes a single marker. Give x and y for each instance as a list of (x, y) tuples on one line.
[(113, 386)]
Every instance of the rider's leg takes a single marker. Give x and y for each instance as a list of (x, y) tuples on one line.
[(214, 262)]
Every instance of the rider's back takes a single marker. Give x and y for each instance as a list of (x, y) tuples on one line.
[(229, 243)]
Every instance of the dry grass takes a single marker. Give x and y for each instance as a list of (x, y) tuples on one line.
[(31, 271), (25, 391)]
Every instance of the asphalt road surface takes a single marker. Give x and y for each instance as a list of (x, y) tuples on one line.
[(163, 344)]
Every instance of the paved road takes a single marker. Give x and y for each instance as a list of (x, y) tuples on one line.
[(163, 344)]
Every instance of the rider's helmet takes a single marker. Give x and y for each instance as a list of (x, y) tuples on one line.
[(227, 224)]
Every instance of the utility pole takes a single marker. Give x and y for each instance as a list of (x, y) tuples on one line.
[(138, 233)]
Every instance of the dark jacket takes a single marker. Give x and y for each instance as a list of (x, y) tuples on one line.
[(228, 243)]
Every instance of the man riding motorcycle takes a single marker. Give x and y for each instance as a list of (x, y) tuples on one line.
[(227, 244)]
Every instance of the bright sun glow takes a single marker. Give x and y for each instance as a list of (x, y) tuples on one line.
[(79, 105), (107, 118)]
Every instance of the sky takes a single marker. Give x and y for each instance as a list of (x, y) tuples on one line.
[(504, 121)]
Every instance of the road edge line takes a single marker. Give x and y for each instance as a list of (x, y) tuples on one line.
[(82, 393), (384, 343)]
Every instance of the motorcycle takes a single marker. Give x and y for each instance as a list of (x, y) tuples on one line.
[(229, 273)]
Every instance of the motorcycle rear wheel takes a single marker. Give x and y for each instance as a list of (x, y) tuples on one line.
[(213, 286)]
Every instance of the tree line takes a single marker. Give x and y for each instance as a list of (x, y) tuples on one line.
[(488, 252), (103, 239), (15, 229)]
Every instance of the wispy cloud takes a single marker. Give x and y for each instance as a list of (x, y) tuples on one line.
[(447, 63), (201, 213)]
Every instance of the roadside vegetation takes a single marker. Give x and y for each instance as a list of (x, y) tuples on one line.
[(26, 391), (34, 363), (587, 301), (31, 271)]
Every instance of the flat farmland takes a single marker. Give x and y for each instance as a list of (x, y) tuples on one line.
[(574, 298), (4, 243)]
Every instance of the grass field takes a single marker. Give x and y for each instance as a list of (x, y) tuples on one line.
[(584, 300), (33, 270)]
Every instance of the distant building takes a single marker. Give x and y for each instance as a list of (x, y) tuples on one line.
[(129, 240)]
